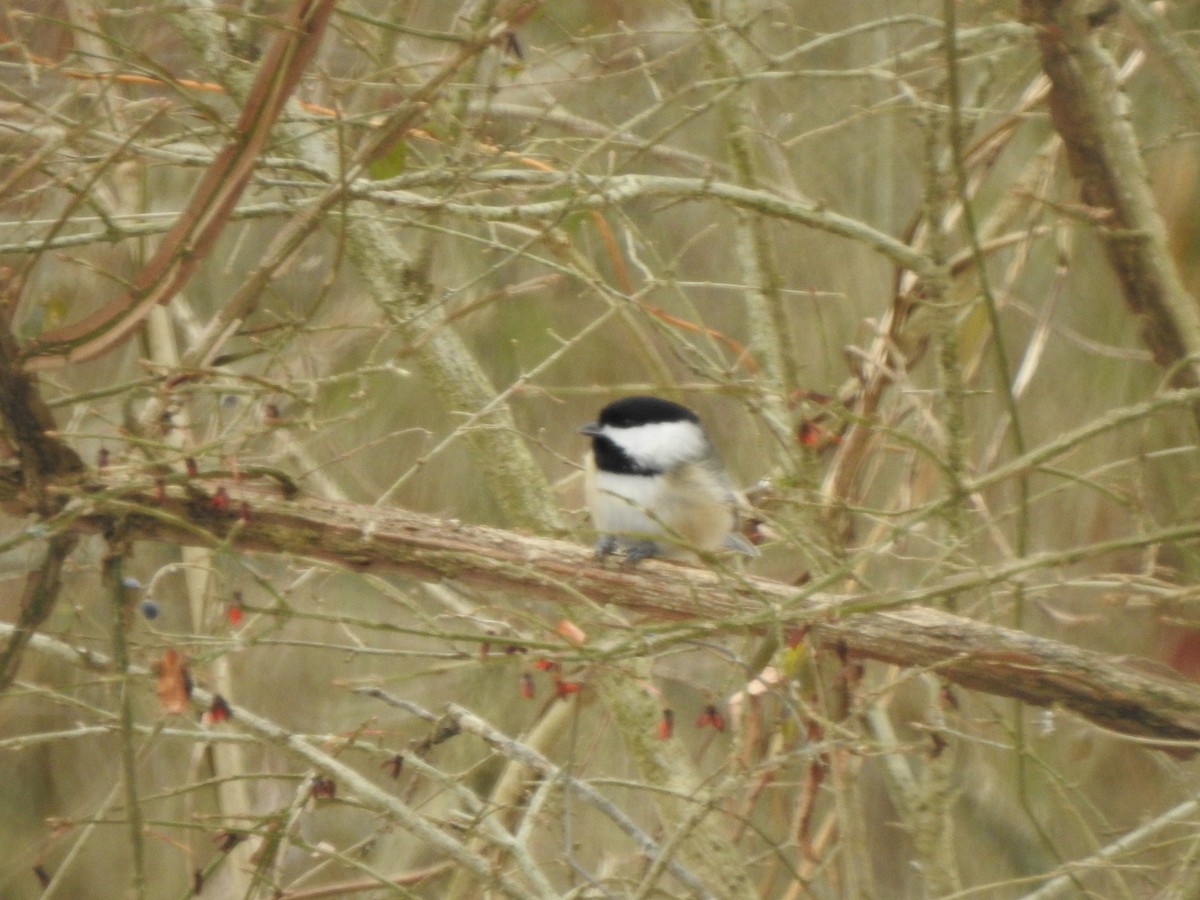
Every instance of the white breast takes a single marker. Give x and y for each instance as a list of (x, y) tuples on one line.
[(618, 502)]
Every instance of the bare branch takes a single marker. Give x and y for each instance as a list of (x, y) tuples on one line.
[(526, 755), (307, 749), (196, 231), (37, 602), (890, 628)]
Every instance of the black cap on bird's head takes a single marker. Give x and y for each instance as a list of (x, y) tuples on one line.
[(630, 412)]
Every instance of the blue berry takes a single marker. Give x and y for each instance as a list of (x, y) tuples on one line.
[(149, 609)]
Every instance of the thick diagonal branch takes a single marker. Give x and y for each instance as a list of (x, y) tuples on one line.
[(894, 628), (1102, 148)]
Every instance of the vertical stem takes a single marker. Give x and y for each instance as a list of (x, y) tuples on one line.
[(114, 586), (929, 812), (1005, 379), (1004, 374), (767, 324), (939, 299)]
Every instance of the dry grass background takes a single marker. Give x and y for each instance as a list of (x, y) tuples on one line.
[(485, 253)]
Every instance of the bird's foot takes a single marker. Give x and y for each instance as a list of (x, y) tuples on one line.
[(635, 551), (639, 550), (606, 546)]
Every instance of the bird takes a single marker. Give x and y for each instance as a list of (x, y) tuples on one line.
[(655, 484)]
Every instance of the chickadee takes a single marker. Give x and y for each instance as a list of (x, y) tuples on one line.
[(653, 477)]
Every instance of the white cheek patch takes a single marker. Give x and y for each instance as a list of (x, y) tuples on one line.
[(661, 445)]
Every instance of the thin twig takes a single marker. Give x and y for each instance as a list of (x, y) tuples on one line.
[(522, 753)]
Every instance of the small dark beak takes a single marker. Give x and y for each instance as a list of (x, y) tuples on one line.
[(591, 429)]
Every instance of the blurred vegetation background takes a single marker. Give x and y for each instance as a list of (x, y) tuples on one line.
[(519, 212)]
